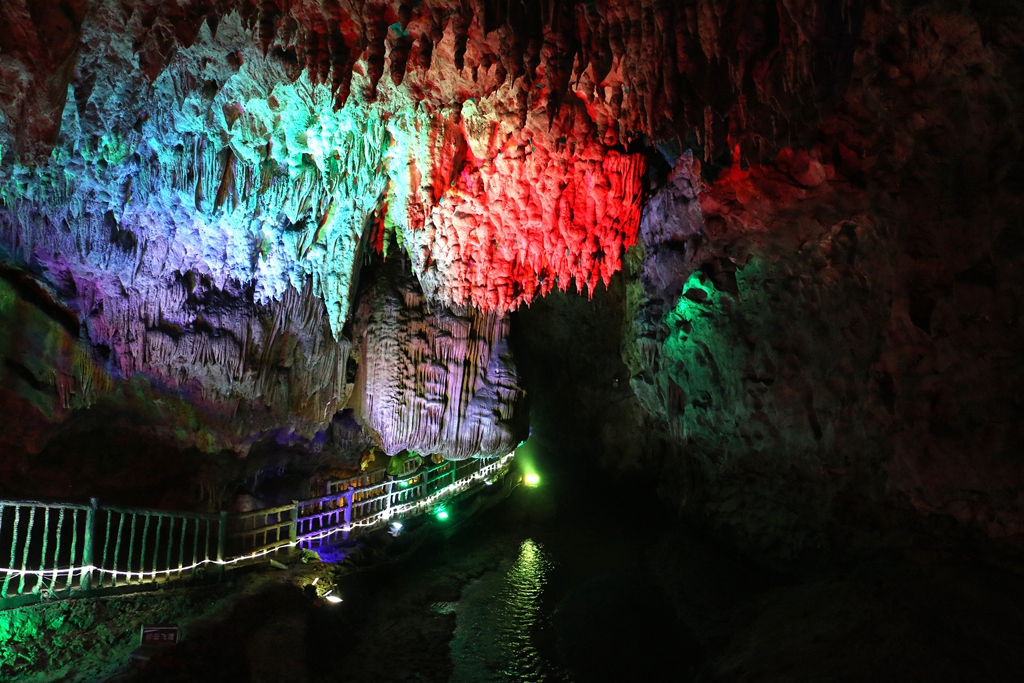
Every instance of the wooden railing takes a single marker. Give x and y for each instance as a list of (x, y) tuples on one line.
[(261, 531), (58, 548), (44, 536), (147, 546), (372, 501)]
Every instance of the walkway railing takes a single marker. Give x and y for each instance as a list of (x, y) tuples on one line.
[(146, 546), (60, 548), (369, 501), (43, 537)]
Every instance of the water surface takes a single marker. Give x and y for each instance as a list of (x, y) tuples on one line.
[(497, 622)]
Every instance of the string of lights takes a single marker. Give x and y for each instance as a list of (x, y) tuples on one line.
[(372, 520)]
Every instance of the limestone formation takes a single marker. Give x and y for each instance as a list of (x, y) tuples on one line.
[(433, 379), (222, 222)]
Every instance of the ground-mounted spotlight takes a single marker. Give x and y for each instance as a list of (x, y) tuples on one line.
[(441, 513), (333, 599), (531, 479), (395, 528)]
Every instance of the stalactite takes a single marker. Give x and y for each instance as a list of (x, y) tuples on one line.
[(437, 381)]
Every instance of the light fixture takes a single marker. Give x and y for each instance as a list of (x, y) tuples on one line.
[(531, 479), (396, 528), (441, 513)]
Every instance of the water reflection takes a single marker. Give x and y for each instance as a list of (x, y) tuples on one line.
[(497, 619), (520, 601)]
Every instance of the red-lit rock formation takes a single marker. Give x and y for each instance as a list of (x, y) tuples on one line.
[(540, 214)]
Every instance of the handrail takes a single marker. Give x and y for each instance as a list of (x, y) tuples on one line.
[(380, 517), (160, 513), (111, 546), (328, 498), (42, 503)]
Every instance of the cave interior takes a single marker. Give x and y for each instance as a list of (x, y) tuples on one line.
[(744, 275)]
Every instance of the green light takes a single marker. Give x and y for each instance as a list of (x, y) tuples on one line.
[(441, 513), (531, 479)]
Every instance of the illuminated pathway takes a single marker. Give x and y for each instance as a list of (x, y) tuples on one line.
[(36, 531)]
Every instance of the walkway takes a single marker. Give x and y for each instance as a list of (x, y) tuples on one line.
[(58, 550)]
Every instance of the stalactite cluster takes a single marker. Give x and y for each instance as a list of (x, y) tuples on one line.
[(434, 380), (570, 81), (524, 216)]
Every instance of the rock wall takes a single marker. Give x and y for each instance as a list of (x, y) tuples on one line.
[(828, 337)]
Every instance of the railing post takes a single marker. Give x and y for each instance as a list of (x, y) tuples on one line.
[(87, 542), (222, 540), (348, 513), (293, 528)]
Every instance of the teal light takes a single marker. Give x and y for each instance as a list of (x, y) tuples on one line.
[(441, 513)]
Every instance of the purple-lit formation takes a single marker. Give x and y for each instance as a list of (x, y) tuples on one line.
[(433, 381)]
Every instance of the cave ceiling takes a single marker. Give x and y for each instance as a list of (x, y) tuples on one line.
[(193, 187)]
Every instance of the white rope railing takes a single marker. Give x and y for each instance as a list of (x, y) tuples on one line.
[(88, 570)]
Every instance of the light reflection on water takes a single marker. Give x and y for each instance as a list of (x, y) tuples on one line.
[(496, 619)]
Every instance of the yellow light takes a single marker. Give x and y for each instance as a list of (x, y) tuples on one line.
[(531, 479)]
